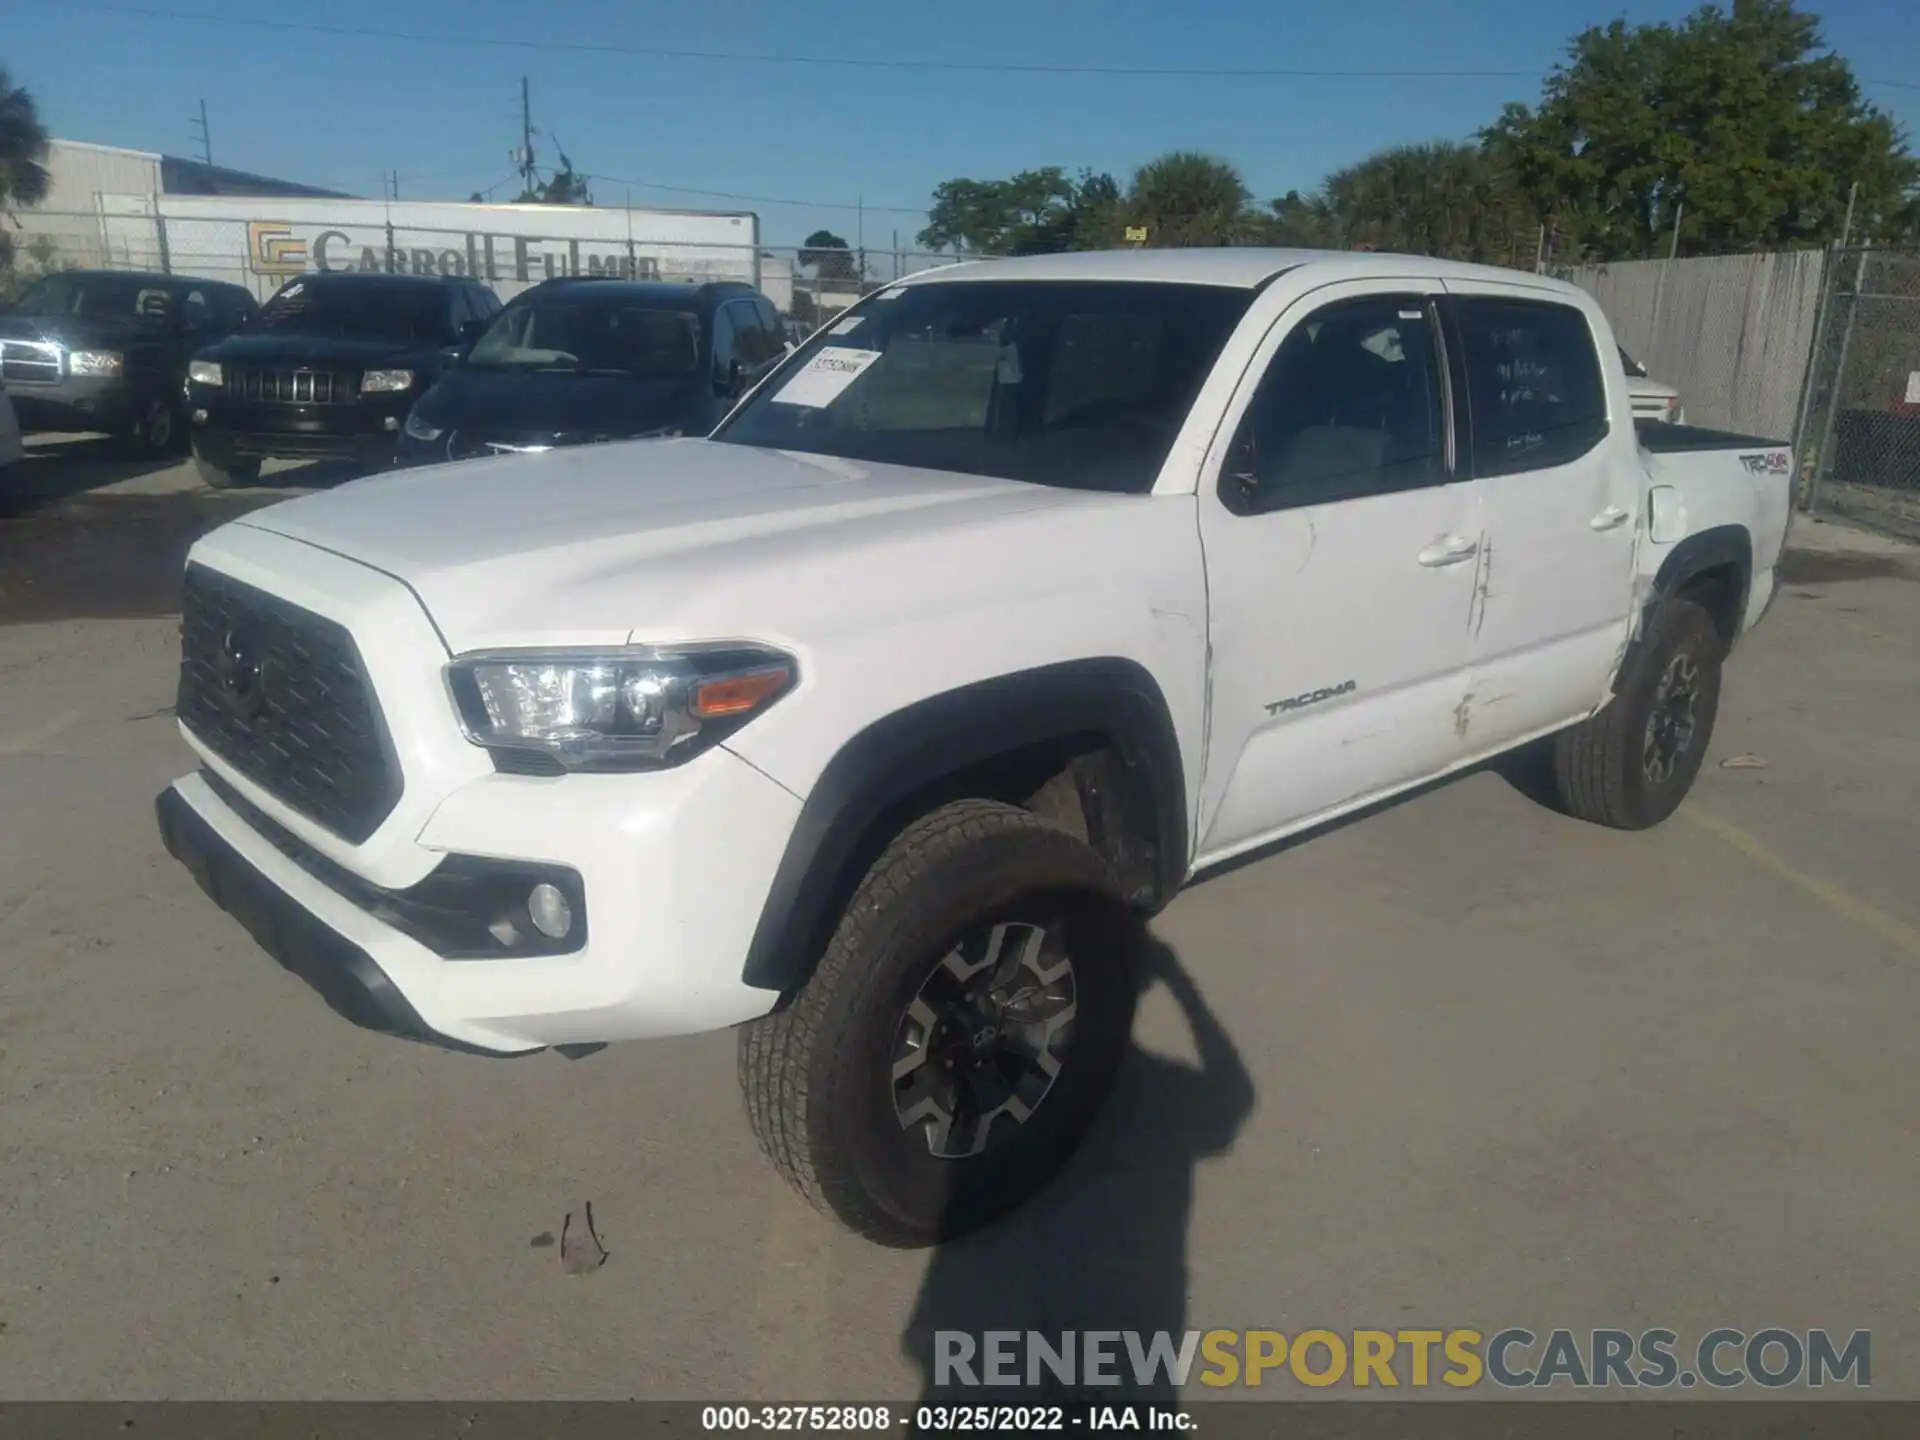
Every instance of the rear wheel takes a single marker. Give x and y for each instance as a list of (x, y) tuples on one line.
[(226, 477), (1632, 764), (960, 1033)]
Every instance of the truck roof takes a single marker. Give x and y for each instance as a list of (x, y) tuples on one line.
[(1242, 267)]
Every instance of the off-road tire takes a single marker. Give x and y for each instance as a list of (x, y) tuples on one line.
[(1599, 769), (817, 1074), (226, 477)]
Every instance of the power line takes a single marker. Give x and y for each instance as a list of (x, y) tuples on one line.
[(842, 61), (759, 199), (779, 58)]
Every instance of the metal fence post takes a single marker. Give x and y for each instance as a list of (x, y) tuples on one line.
[(1823, 458)]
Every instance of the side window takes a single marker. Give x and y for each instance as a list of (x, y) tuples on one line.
[(753, 341), (233, 306), (195, 312), (723, 342), (1533, 384), (486, 304), (460, 311), (1350, 406), (770, 322)]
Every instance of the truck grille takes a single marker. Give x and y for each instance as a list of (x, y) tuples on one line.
[(29, 362), (280, 694), (293, 387)]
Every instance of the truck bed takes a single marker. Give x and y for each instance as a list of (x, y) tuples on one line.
[(1664, 439)]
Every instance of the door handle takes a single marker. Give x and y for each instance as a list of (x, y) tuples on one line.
[(1448, 550), (1611, 518)]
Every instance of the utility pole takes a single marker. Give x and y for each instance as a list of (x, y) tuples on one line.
[(527, 177), (206, 136)]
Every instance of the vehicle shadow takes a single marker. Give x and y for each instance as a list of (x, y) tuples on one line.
[(1105, 1246), (59, 468)]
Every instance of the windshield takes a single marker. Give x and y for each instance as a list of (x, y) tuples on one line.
[(97, 297), (592, 339), (1081, 384), (358, 309)]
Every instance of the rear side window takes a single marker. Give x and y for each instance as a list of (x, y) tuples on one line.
[(1350, 406), (1533, 384)]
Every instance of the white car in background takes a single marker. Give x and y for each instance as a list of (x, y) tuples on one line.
[(1651, 399)]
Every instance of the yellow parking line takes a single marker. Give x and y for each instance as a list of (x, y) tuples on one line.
[(1895, 932)]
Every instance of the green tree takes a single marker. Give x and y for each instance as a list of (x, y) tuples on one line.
[(23, 155), (1036, 212), (829, 256), (1186, 198), (1737, 123), (1445, 199)]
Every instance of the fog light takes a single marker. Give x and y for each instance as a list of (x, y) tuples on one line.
[(392, 422), (552, 916)]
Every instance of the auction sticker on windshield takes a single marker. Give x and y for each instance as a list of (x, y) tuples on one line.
[(822, 378)]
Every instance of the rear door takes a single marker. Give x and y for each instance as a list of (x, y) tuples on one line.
[(1559, 491), (1340, 550)]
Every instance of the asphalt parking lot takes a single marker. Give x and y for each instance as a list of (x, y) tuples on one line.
[(1504, 1069)]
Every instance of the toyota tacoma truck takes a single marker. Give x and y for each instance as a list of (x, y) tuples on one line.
[(874, 722)]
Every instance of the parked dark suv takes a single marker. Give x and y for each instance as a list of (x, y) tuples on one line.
[(579, 360), (329, 369), (108, 350)]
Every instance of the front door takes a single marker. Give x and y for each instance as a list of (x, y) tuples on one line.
[(1559, 492), (1340, 554)]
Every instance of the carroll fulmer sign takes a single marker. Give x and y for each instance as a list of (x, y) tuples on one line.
[(276, 250)]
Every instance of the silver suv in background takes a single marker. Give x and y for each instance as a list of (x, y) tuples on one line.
[(1652, 400)]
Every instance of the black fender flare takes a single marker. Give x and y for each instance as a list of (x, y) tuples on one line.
[(1699, 552), (843, 821)]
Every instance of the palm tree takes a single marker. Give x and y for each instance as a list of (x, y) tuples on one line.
[(23, 152), (1185, 198), (1444, 199)]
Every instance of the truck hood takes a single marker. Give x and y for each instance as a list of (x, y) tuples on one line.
[(658, 541), (292, 347)]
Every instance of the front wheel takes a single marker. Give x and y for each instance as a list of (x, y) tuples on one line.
[(155, 431), (1632, 764), (961, 1031)]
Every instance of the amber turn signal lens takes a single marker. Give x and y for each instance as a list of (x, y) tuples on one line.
[(738, 694)]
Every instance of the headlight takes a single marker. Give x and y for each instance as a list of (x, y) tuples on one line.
[(419, 429), (376, 382), (619, 709), (95, 362), (206, 372)]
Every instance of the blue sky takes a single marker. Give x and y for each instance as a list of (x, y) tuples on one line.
[(341, 110)]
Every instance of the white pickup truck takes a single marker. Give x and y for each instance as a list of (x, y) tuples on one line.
[(872, 723)]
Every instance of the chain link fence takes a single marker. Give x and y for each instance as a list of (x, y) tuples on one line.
[(1860, 440)]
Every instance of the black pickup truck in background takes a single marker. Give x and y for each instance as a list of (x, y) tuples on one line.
[(87, 350), (328, 370)]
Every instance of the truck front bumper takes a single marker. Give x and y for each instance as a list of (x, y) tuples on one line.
[(672, 865), (75, 403)]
